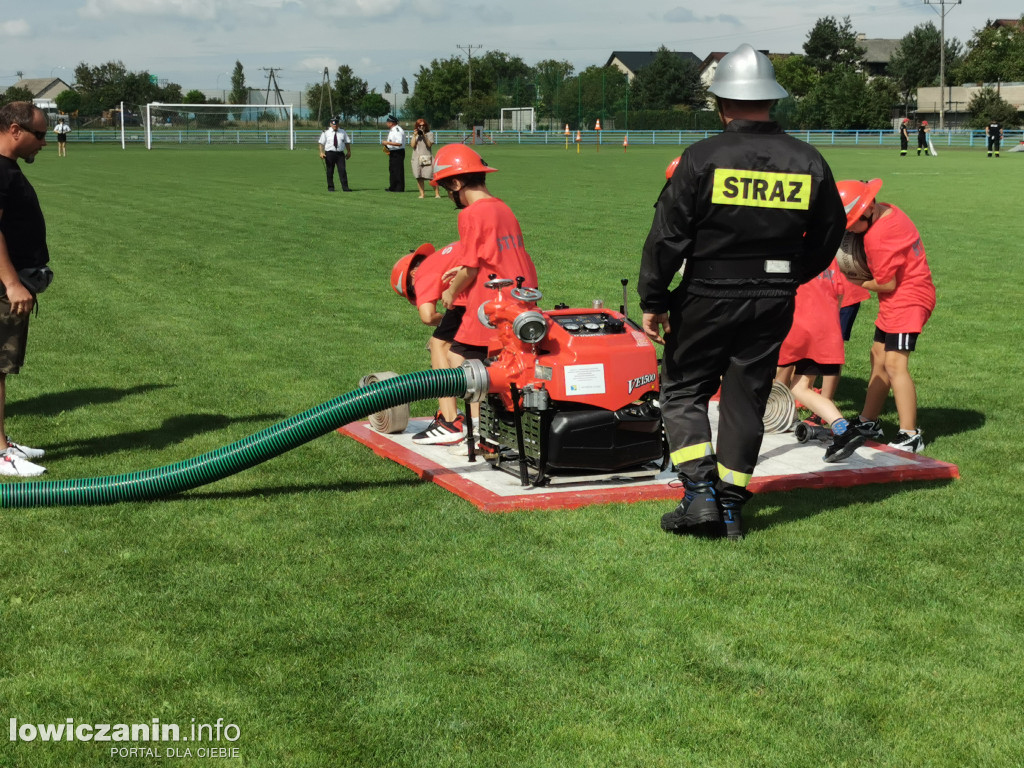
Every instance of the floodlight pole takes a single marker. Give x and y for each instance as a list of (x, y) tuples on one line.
[(942, 55)]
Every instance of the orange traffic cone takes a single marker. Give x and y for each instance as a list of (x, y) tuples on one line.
[(597, 126), (625, 142)]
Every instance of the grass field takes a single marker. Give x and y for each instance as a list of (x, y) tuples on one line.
[(341, 613)]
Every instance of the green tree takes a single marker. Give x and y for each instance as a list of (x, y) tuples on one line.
[(104, 86), (319, 98), (915, 62), (994, 55), (405, 85), (794, 74), (987, 106), (556, 91), (68, 101), (349, 91), (16, 94), (194, 97), (508, 78), (440, 90), (667, 82), (845, 99), (374, 105), (832, 44), (239, 92)]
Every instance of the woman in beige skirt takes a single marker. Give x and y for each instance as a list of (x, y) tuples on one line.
[(422, 157)]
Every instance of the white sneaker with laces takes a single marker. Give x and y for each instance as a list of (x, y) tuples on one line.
[(20, 451), (907, 442), (15, 466)]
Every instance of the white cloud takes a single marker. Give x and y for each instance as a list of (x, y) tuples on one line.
[(15, 28)]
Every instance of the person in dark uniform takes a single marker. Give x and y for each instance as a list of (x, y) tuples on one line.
[(749, 214), (904, 137), (995, 137), (922, 138), (395, 146)]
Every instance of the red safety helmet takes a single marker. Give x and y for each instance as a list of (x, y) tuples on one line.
[(906, 119), (457, 159), (672, 167), (856, 197), (401, 273), (924, 122)]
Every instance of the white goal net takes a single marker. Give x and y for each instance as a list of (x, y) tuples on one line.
[(517, 119), (271, 125)]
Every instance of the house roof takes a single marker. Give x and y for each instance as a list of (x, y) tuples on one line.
[(631, 62), (877, 50), (43, 87)]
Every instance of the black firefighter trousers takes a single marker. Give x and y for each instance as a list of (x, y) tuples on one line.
[(734, 342)]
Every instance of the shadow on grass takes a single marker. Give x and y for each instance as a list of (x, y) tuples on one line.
[(788, 506), (936, 422), (288, 490), (54, 403), (173, 430)]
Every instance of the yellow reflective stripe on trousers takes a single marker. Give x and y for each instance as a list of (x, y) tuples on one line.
[(733, 477), (761, 189), (691, 452)]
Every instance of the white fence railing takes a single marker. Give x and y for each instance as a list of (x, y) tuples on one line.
[(279, 138)]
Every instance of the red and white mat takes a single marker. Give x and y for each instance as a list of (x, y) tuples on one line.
[(784, 464)]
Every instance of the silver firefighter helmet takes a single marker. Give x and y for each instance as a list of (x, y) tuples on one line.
[(746, 74)]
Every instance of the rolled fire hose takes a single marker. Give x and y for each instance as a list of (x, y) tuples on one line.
[(469, 380), (780, 413), (390, 421)]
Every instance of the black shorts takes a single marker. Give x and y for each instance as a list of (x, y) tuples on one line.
[(807, 367), (449, 325), (846, 317), (896, 342), (469, 351), (13, 338)]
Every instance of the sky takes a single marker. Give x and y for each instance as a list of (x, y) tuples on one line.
[(196, 43)]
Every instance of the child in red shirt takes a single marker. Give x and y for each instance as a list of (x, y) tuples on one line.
[(492, 243), (418, 277), (906, 298), (813, 347)]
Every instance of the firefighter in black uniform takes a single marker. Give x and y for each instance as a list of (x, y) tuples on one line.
[(748, 215), (995, 137), (922, 138), (904, 137)]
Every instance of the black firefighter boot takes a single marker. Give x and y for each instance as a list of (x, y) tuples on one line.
[(697, 514)]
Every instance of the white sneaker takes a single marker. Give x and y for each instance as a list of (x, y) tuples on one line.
[(19, 451), (13, 466), (907, 442)]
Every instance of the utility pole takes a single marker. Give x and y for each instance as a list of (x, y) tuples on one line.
[(942, 54), (469, 55), (277, 88)]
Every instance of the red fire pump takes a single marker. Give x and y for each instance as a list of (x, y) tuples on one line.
[(571, 392)]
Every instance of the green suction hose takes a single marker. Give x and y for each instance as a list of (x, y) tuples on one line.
[(247, 452)]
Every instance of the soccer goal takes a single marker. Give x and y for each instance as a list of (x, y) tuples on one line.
[(518, 119), (271, 125)]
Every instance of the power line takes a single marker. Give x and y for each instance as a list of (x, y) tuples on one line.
[(942, 55)]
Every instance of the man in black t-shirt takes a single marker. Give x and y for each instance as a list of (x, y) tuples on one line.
[(23, 251)]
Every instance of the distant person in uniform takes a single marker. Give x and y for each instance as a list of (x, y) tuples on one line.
[(922, 138), (995, 137), (904, 137), (62, 130), (394, 144)]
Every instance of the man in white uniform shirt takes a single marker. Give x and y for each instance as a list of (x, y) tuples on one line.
[(395, 146), (335, 149)]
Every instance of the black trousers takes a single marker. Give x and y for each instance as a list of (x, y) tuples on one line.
[(396, 170), (729, 342), (332, 160)]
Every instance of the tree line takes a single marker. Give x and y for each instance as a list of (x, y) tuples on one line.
[(828, 83)]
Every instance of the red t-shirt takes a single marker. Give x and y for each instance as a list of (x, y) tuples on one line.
[(894, 250), (851, 292), (492, 242), (816, 334), (427, 280)]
